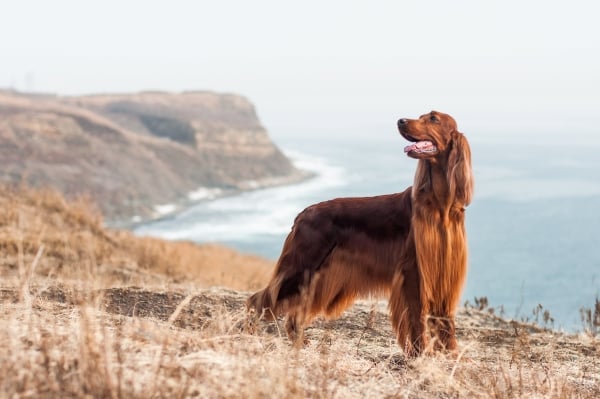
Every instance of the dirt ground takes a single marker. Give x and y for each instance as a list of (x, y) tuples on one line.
[(357, 352), (90, 312)]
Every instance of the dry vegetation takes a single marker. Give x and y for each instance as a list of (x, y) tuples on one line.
[(74, 247), (88, 312)]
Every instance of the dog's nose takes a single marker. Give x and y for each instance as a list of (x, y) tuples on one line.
[(402, 121)]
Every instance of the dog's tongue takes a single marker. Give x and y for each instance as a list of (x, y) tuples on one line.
[(420, 146)]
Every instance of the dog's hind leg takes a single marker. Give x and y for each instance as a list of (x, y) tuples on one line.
[(294, 328)]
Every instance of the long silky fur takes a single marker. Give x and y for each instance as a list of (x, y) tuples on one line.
[(410, 246), (440, 236)]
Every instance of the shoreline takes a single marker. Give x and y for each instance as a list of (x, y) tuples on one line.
[(182, 204)]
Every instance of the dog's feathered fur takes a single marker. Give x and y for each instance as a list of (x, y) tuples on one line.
[(410, 246)]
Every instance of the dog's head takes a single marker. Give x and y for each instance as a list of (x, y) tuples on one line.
[(436, 139), (431, 134)]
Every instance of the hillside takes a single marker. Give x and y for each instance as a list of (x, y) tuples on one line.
[(91, 312), (135, 153), (73, 246)]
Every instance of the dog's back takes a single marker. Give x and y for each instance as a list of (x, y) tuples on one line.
[(336, 251)]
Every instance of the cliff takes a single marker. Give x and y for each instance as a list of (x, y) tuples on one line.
[(133, 152)]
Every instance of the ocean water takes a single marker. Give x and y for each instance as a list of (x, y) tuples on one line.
[(533, 227)]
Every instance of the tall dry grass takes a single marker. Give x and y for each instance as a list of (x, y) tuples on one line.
[(80, 348), (76, 244), (71, 325)]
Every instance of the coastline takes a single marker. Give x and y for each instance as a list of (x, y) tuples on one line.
[(205, 194)]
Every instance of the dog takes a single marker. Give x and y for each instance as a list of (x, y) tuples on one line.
[(410, 246)]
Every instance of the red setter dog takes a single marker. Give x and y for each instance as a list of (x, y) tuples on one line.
[(411, 246)]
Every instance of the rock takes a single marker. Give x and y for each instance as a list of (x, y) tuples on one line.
[(132, 153)]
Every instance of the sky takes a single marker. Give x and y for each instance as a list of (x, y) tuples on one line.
[(324, 67)]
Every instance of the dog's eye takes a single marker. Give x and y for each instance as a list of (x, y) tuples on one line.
[(434, 118)]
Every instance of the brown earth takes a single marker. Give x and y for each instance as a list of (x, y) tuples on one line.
[(191, 342), (132, 152)]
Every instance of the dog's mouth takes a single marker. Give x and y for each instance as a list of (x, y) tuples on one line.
[(421, 147)]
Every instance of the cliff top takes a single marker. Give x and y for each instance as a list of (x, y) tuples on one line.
[(132, 153), (90, 311)]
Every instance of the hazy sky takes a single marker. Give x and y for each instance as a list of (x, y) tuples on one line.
[(317, 67)]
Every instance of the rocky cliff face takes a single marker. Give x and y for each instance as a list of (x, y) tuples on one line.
[(132, 152)]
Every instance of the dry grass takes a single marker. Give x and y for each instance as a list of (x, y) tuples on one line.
[(72, 326), (76, 246)]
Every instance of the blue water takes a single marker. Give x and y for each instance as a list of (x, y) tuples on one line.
[(533, 226)]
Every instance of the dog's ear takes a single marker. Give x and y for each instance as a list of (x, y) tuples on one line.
[(460, 175)]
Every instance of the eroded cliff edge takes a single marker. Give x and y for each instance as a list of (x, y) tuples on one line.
[(132, 153)]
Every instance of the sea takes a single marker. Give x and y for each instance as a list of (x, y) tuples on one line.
[(533, 227)]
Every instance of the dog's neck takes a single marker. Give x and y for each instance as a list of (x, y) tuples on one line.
[(439, 236), (431, 186)]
